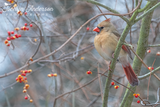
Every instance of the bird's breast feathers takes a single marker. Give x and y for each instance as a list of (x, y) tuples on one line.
[(105, 44)]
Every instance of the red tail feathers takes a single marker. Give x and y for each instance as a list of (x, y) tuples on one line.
[(131, 76)]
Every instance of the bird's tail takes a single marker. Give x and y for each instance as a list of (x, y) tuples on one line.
[(131, 76)]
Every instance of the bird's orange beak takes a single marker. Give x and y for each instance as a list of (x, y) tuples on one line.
[(96, 29)]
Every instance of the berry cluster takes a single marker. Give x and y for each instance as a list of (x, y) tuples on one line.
[(88, 72), (52, 75), (20, 13), (22, 78), (11, 1), (26, 28), (150, 68), (11, 37), (116, 86), (136, 96), (15, 35), (148, 51)]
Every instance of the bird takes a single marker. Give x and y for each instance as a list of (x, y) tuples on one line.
[(105, 43)]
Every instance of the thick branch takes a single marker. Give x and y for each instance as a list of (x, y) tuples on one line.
[(148, 11), (141, 49)]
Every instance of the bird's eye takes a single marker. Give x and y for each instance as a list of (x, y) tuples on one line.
[(101, 27)]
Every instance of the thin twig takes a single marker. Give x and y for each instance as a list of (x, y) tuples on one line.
[(122, 85), (101, 11), (76, 89)]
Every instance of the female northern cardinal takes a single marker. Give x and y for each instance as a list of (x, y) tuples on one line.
[(105, 43)]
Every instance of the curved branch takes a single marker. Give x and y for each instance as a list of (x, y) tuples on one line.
[(149, 73), (108, 8)]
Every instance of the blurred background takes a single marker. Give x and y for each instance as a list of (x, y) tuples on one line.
[(72, 61)]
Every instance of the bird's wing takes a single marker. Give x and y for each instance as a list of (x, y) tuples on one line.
[(124, 47)]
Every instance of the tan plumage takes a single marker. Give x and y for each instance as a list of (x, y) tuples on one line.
[(105, 43)]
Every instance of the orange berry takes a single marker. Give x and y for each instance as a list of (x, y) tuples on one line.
[(16, 29), (148, 51), (31, 59), (158, 53), (11, 1), (30, 70), (55, 74), (24, 91), (24, 28), (14, 37), (149, 68), (49, 75), (88, 72), (134, 94), (35, 40), (18, 12), (112, 83), (82, 58), (8, 44), (138, 95), (6, 41), (21, 14), (30, 100), (26, 86), (25, 81), (116, 87)]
